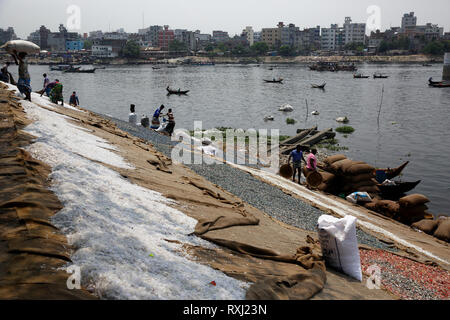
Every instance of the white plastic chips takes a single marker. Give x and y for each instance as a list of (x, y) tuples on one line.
[(339, 244)]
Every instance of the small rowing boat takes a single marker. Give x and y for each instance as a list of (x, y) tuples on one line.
[(360, 76), (179, 91), (316, 86), (274, 81), (397, 190), (379, 76)]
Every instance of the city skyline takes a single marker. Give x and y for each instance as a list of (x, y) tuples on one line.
[(229, 16)]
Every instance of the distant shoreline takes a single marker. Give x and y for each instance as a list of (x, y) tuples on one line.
[(410, 59)]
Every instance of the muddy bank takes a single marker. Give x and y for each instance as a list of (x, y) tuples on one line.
[(31, 248)]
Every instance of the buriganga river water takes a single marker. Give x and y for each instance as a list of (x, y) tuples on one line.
[(414, 120)]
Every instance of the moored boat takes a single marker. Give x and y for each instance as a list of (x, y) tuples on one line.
[(360, 76), (383, 174), (316, 86), (398, 189), (274, 81), (179, 91), (380, 76)]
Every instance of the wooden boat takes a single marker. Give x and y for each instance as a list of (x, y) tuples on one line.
[(441, 85), (316, 86), (360, 76), (397, 190), (63, 67), (156, 68), (274, 81), (391, 173), (79, 71), (179, 92), (426, 65), (379, 76), (431, 82)]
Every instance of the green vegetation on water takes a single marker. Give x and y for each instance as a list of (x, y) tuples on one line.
[(290, 121), (331, 145), (345, 129)]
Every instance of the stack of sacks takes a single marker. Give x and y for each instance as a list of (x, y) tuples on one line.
[(327, 182), (413, 209), (443, 229), (387, 208), (427, 226), (355, 175)]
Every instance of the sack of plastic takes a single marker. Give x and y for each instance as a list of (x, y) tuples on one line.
[(339, 244), (356, 197), (388, 182), (21, 46)]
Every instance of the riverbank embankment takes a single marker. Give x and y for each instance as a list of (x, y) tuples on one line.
[(128, 211)]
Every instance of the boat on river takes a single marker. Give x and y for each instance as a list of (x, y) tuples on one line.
[(379, 76), (179, 91), (397, 190), (274, 81), (360, 76), (317, 86), (78, 70)]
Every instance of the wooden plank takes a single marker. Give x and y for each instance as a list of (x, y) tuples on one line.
[(309, 142), (298, 137)]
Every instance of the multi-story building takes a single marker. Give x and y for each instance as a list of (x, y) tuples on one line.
[(107, 48), (151, 34), (409, 21), (103, 51), (447, 36), (250, 34), (35, 37), (220, 36), (115, 36), (272, 36), (7, 35), (354, 32), (332, 38), (74, 45), (290, 35), (257, 36), (95, 35), (165, 37), (335, 37)]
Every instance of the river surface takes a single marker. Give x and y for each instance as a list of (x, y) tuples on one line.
[(414, 122)]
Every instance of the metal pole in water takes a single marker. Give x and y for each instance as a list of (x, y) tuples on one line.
[(446, 71)]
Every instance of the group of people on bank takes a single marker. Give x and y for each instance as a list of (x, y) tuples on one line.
[(54, 90), (168, 120), (297, 158)]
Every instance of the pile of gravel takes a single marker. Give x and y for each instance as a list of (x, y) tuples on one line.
[(255, 192)]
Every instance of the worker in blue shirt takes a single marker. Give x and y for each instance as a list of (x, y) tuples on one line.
[(297, 158)]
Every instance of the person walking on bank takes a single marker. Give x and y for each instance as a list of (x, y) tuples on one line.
[(297, 158), (24, 83), (171, 124), (73, 101), (56, 94), (155, 120)]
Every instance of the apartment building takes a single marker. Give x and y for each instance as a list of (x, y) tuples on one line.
[(250, 34), (165, 37), (220, 36)]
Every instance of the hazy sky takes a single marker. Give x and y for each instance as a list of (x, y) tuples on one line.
[(208, 15)]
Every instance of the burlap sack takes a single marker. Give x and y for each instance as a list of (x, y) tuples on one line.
[(332, 159), (411, 215), (366, 183), (388, 207), (413, 200), (359, 168), (443, 230), (369, 189), (427, 226), (371, 205), (361, 177), (337, 166), (327, 177)]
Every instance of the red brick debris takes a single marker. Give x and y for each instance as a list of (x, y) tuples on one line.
[(407, 279)]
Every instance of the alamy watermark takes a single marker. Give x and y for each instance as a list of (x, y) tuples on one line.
[(374, 20), (74, 281), (74, 19)]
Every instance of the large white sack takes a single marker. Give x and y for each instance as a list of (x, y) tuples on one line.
[(21, 46), (339, 244)]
